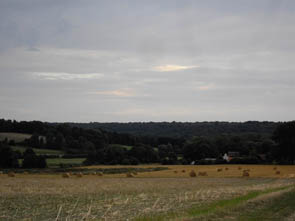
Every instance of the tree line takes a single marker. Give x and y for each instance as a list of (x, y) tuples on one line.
[(108, 147)]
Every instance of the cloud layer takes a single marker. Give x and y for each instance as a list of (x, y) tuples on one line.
[(147, 60)]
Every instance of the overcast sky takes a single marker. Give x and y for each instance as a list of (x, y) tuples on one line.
[(147, 60)]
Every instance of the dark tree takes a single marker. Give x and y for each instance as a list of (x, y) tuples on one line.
[(199, 148), (284, 135), (8, 158), (31, 160)]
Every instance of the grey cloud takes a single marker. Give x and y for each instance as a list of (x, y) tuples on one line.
[(147, 60)]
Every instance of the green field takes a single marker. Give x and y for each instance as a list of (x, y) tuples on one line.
[(38, 151), (56, 162), (17, 137)]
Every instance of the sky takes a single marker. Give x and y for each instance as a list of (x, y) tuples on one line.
[(147, 60)]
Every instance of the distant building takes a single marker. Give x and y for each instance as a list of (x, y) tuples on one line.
[(231, 155), (225, 157)]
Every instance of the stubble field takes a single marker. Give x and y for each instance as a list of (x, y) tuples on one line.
[(157, 195)]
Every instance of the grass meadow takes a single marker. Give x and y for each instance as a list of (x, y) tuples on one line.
[(169, 194)]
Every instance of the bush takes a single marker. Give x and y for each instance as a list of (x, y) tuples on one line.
[(31, 160), (8, 158)]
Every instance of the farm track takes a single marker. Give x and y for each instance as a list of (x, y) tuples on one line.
[(276, 205)]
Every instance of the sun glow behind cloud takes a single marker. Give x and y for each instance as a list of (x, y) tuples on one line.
[(126, 92), (168, 67)]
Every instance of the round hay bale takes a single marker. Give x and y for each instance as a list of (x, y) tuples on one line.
[(219, 169), (79, 175), (239, 168), (129, 175), (203, 173), (175, 171), (246, 174), (99, 173), (183, 171), (66, 175), (11, 174), (192, 174), (278, 172), (226, 168)]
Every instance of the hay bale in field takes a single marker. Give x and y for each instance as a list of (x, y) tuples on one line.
[(129, 175), (66, 175), (219, 169), (246, 174), (79, 175), (239, 168), (183, 171), (274, 168), (203, 173), (226, 168), (11, 174), (278, 172), (93, 173), (175, 171), (192, 174), (291, 175), (99, 173)]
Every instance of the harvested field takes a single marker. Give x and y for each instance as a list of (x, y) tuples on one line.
[(116, 197), (266, 171)]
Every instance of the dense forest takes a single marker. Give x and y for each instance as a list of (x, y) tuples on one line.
[(184, 129), (204, 143)]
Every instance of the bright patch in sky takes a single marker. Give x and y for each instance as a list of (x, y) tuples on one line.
[(67, 76), (117, 93), (168, 67)]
